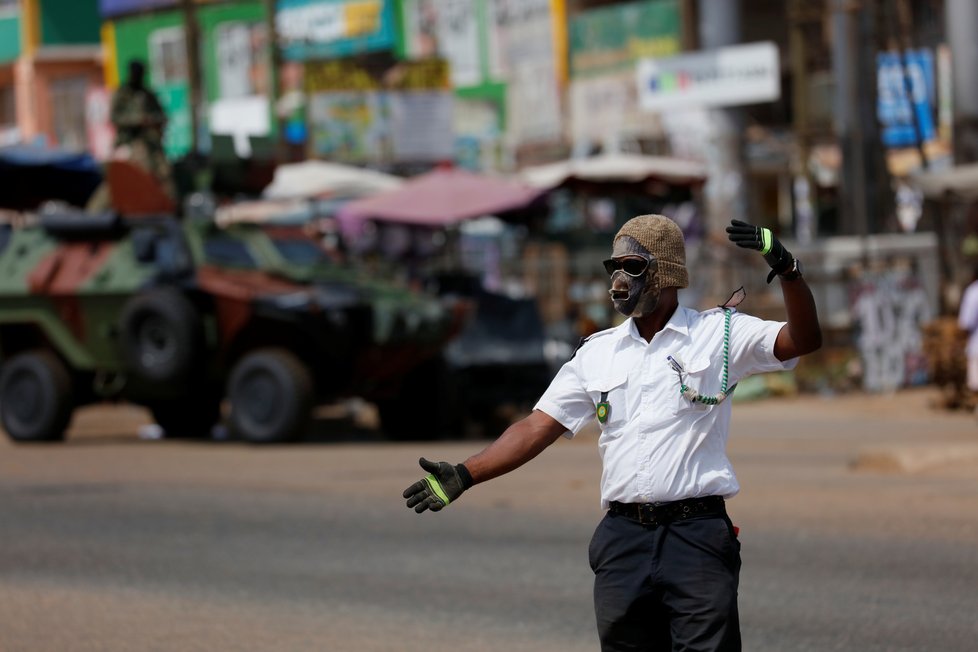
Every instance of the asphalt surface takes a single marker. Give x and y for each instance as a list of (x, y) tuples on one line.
[(858, 517)]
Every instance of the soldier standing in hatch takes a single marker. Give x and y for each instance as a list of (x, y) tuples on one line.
[(139, 121)]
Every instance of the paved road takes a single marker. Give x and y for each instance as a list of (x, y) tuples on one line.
[(859, 522)]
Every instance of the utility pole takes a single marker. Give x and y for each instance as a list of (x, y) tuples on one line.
[(852, 181), (719, 26), (274, 82), (191, 35), (961, 17), (863, 184), (800, 18)]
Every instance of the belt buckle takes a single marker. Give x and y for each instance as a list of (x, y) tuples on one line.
[(646, 514)]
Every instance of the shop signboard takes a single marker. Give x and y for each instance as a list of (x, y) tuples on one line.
[(363, 114), (176, 103), (420, 109), (449, 29), (605, 44), (611, 39), (522, 52), (346, 117), (730, 76), (901, 116), (605, 107), (477, 130), (9, 33), (326, 29), (421, 125)]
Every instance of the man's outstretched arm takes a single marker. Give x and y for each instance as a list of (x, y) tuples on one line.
[(802, 334), (518, 444)]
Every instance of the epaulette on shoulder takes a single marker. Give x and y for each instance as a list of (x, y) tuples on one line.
[(585, 340), (731, 303)]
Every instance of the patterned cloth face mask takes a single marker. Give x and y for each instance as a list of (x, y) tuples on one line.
[(634, 278)]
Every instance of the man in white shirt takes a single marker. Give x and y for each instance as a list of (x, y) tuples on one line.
[(968, 321), (665, 557)]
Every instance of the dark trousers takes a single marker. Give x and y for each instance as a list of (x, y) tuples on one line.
[(666, 587)]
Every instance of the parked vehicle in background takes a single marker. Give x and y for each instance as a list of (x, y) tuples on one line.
[(498, 365), (179, 315)]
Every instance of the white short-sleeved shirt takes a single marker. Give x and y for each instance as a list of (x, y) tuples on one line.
[(968, 317), (656, 445)]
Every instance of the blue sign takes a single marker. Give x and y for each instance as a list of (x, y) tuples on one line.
[(120, 7), (895, 109), (326, 29)]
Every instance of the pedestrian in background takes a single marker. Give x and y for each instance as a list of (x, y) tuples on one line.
[(968, 321), (665, 557)]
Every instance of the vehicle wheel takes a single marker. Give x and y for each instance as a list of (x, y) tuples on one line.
[(271, 394), (36, 398), (161, 335), (427, 408), (188, 417)]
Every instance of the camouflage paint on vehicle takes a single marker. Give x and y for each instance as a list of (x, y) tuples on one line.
[(70, 291), (396, 329), (75, 285)]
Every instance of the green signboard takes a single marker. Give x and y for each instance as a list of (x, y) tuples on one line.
[(176, 139), (326, 29), (9, 36), (234, 46), (69, 22), (611, 39), (157, 40)]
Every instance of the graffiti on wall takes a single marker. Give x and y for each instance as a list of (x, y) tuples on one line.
[(888, 309)]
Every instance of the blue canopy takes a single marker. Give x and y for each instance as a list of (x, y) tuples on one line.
[(110, 8), (30, 175)]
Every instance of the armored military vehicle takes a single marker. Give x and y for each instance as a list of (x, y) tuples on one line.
[(179, 315)]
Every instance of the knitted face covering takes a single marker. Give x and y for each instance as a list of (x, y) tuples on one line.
[(634, 296), (662, 238)]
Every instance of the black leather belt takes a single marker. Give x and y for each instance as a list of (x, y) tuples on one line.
[(663, 513)]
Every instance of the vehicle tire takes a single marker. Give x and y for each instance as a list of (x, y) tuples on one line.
[(271, 395), (162, 336), (190, 417), (36, 397)]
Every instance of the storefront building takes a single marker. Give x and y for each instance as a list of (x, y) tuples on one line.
[(50, 67), (233, 66)]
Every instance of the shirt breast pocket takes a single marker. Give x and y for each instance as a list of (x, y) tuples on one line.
[(702, 376), (609, 396)]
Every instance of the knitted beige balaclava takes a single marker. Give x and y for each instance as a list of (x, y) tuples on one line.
[(663, 239)]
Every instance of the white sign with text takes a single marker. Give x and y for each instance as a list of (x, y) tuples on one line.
[(740, 74)]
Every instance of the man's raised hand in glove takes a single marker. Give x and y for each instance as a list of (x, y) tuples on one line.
[(761, 239), (443, 484)]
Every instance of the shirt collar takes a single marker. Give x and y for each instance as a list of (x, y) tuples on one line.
[(679, 322)]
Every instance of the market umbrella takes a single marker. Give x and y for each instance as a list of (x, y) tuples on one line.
[(309, 179), (441, 198), (616, 167)]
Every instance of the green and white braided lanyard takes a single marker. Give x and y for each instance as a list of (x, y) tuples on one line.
[(693, 394)]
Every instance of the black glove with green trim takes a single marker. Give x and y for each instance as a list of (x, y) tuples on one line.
[(749, 236), (443, 484)]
